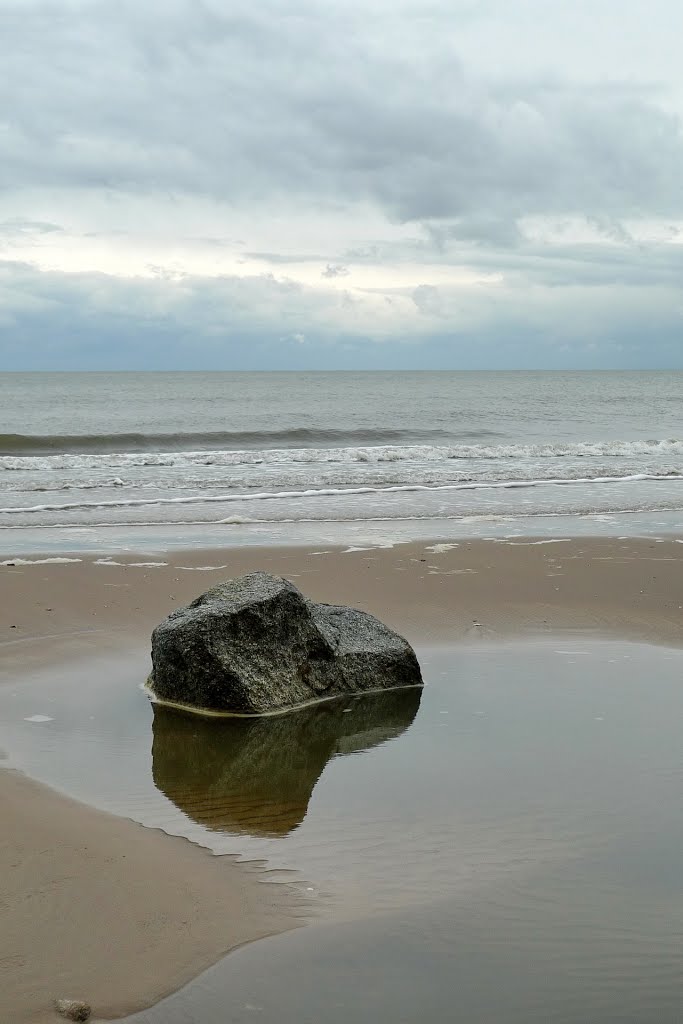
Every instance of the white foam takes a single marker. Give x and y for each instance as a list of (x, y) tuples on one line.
[(533, 543), (379, 545), (200, 568), (350, 454), (39, 718), (40, 561), (61, 484), (314, 492), (132, 565), (334, 518)]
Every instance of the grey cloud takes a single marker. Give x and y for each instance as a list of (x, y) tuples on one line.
[(57, 320), (297, 109), (220, 242), (17, 227), (294, 99), (611, 229), (364, 254), (335, 270), (547, 264), (639, 266), (204, 308), (285, 258), (427, 299), (483, 229)]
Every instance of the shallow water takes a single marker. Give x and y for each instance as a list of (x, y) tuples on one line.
[(504, 846), (157, 541)]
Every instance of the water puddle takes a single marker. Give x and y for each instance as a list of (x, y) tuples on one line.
[(504, 845)]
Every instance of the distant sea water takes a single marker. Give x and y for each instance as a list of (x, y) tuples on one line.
[(81, 450)]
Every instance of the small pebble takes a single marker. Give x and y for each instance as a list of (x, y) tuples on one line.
[(73, 1009)]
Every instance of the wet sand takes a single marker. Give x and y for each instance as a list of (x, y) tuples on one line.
[(99, 908), (431, 592)]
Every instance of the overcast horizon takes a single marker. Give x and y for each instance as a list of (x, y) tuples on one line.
[(443, 184)]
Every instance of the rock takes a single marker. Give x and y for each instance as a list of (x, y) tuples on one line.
[(255, 645), (73, 1009)]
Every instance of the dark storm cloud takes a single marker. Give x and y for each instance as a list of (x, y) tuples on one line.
[(294, 98)]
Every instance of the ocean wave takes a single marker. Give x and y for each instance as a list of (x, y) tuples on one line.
[(327, 492), (43, 485), (295, 477), (672, 448), (75, 444)]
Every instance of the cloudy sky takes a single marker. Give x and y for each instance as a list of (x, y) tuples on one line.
[(255, 184)]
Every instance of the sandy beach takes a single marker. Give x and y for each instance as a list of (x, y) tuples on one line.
[(432, 592), (99, 908)]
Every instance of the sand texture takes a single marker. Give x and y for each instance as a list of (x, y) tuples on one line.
[(430, 593), (98, 908)]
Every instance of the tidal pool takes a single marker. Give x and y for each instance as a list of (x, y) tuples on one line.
[(503, 846)]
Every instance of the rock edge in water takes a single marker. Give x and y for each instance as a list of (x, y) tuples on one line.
[(254, 645)]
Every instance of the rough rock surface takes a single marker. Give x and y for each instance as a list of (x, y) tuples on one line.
[(255, 645), (73, 1009)]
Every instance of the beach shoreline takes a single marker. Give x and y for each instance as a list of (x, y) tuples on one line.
[(449, 592)]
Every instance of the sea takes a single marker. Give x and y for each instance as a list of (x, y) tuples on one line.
[(149, 459)]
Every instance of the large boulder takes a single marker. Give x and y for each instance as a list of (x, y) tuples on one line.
[(255, 645)]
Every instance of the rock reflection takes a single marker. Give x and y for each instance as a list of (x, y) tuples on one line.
[(256, 775)]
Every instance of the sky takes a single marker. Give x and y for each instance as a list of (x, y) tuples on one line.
[(316, 184)]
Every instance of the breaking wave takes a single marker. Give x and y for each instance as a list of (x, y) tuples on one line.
[(74, 444), (98, 459)]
